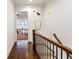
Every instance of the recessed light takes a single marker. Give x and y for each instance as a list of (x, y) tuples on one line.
[(30, 0)]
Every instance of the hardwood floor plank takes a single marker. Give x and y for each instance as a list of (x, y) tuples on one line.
[(22, 50)]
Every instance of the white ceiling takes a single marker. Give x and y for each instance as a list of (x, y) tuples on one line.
[(19, 2)]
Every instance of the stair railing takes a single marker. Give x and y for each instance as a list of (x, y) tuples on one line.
[(48, 49), (60, 43)]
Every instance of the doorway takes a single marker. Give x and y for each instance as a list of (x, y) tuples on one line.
[(22, 25)]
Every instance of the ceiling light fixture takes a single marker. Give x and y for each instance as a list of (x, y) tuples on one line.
[(30, 0)]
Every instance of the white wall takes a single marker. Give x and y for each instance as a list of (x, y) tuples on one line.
[(31, 16), (11, 31), (58, 19)]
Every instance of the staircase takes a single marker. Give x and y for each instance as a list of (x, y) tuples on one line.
[(42, 48), (48, 49)]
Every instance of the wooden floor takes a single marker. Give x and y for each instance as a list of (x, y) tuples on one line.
[(22, 50), (22, 36)]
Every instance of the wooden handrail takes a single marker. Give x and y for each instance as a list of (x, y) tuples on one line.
[(63, 47), (57, 38), (59, 42)]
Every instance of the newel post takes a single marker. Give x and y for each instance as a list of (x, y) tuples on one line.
[(34, 45)]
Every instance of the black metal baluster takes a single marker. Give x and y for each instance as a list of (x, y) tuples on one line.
[(67, 55), (50, 50), (43, 48), (61, 54), (53, 51), (70, 57), (47, 49), (56, 52)]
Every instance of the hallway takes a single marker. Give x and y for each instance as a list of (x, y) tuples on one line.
[(44, 19), (22, 50)]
